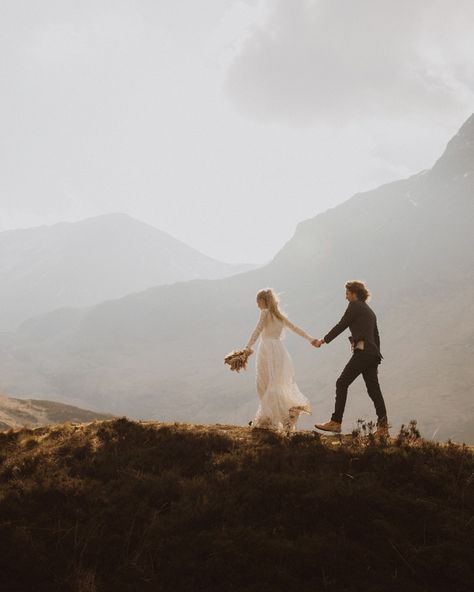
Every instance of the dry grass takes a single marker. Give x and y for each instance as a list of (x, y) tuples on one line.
[(129, 506)]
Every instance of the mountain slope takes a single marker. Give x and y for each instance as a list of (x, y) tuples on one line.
[(15, 413), (84, 263), (158, 353), (128, 506)]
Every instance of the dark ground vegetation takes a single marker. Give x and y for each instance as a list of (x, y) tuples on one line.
[(115, 506)]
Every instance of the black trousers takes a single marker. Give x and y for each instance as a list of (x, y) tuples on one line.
[(367, 365)]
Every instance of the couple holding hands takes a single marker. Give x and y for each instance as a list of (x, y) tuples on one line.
[(281, 401)]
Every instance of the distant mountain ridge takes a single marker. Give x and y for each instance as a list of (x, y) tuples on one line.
[(73, 264), (158, 354), (17, 413)]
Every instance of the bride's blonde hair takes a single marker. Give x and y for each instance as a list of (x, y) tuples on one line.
[(270, 299)]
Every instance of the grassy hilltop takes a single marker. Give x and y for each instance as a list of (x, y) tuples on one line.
[(130, 506)]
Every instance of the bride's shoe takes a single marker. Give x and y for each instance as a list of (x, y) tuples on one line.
[(329, 426)]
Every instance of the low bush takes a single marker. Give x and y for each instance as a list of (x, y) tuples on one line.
[(126, 506)]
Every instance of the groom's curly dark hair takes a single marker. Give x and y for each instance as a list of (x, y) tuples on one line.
[(359, 288)]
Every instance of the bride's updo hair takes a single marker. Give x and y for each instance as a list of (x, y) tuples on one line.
[(270, 299)]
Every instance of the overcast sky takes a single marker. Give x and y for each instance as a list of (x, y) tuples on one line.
[(223, 122)]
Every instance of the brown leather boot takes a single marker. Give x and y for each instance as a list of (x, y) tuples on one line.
[(329, 426)]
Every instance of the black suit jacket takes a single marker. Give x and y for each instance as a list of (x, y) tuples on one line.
[(362, 323)]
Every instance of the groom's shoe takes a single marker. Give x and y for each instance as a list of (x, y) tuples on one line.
[(329, 426)]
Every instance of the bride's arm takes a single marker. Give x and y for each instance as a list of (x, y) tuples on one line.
[(297, 330), (258, 329)]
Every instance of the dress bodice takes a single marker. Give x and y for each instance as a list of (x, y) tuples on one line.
[(270, 327)]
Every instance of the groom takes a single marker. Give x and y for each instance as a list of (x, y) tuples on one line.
[(366, 356)]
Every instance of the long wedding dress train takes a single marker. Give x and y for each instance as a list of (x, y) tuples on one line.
[(281, 401)]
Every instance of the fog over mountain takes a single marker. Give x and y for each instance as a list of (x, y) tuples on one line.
[(159, 353), (201, 117), (87, 262)]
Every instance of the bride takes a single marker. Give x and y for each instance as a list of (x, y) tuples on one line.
[(281, 401)]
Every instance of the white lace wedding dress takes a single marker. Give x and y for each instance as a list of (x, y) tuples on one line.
[(281, 401)]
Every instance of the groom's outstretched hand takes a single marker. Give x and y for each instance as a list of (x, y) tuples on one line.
[(317, 342)]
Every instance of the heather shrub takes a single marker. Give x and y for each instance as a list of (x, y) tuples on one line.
[(126, 506)]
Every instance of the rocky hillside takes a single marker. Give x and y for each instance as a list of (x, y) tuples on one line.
[(15, 413), (126, 506)]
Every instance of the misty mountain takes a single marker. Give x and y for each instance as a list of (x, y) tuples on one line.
[(84, 263), (159, 353), (15, 413)]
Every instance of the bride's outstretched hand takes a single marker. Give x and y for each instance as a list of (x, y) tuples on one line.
[(317, 342)]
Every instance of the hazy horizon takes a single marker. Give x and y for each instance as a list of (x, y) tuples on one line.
[(223, 123)]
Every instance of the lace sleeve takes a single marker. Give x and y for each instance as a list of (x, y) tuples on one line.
[(258, 329), (297, 330)]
